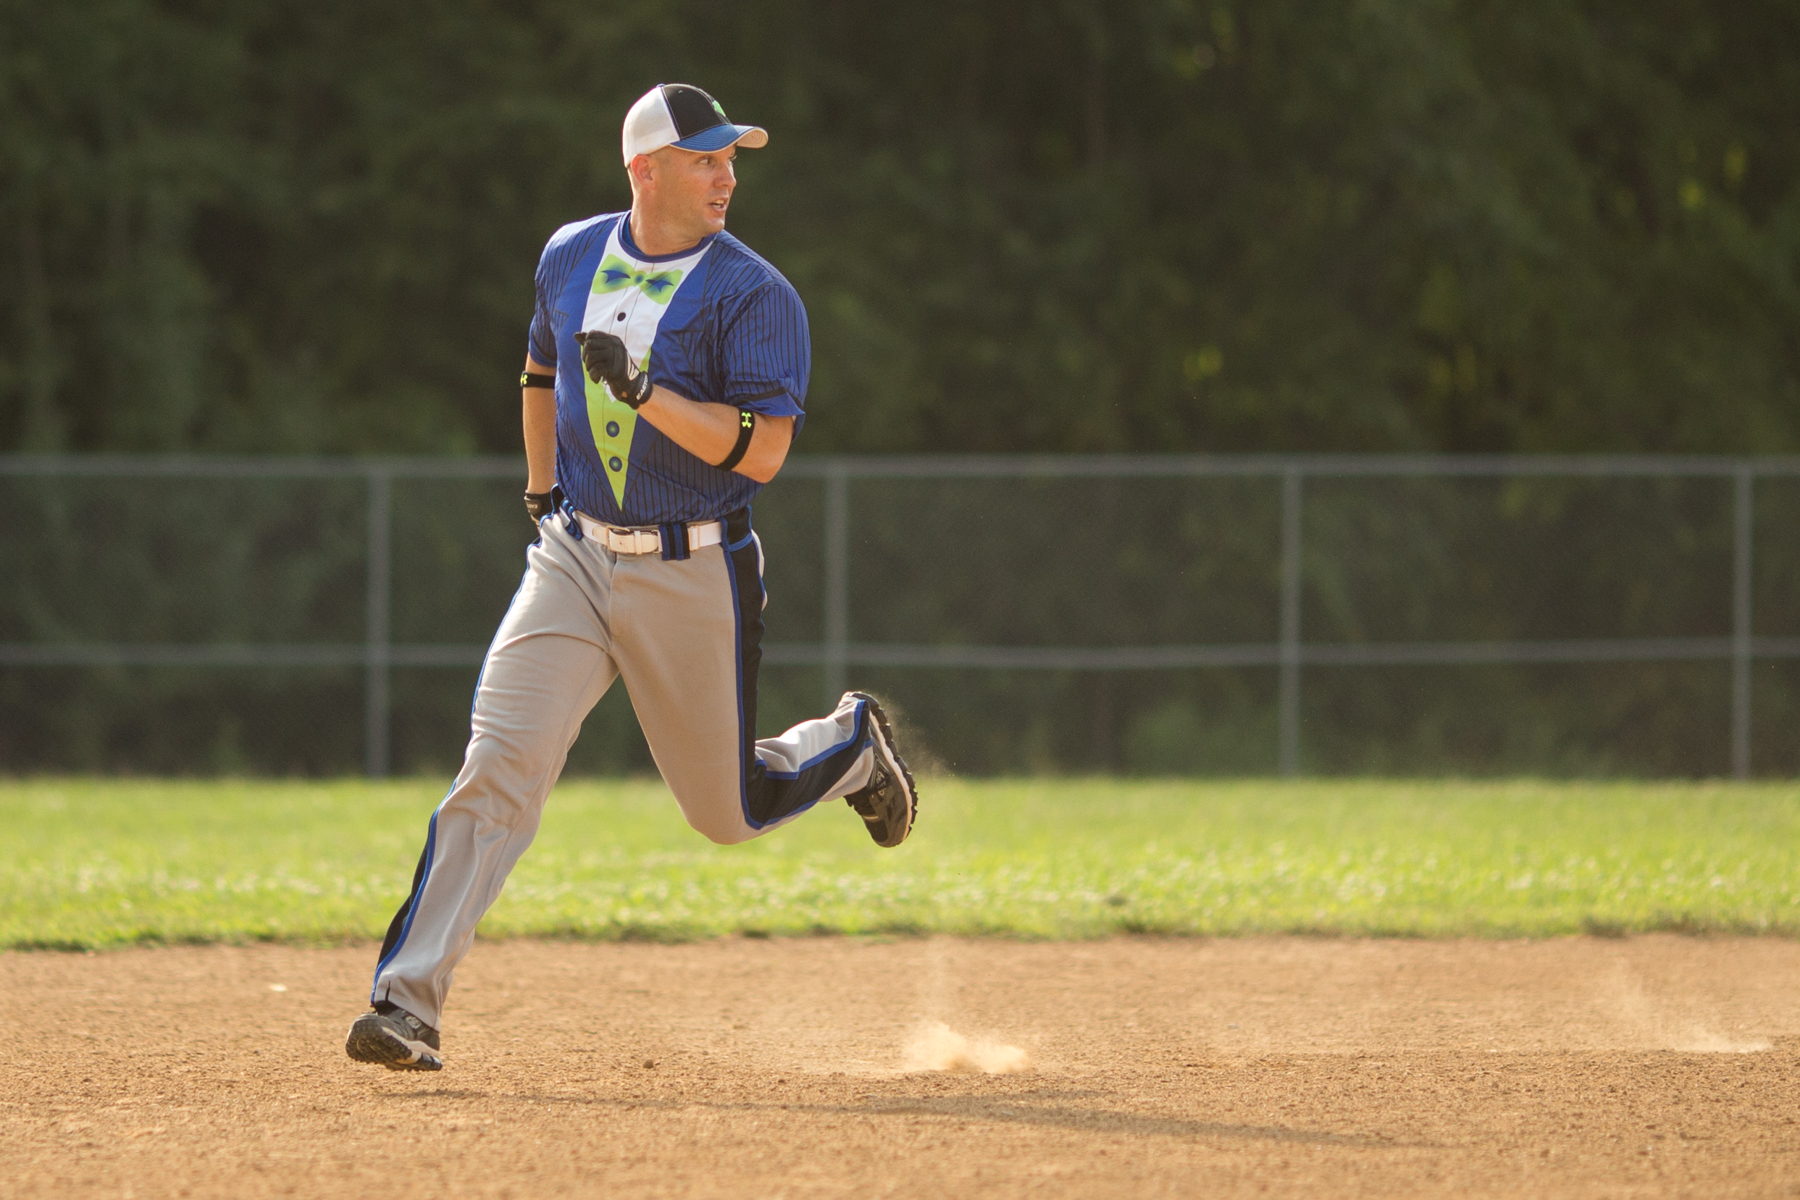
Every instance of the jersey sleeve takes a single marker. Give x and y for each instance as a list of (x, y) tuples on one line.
[(767, 354), (562, 252), (542, 339)]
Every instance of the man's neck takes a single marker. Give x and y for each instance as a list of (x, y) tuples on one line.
[(655, 238)]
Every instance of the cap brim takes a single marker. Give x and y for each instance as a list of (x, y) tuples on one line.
[(718, 137)]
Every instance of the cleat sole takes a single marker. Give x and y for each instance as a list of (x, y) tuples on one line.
[(884, 737), (373, 1040)]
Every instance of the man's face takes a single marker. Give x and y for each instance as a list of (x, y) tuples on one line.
[(691, 189)]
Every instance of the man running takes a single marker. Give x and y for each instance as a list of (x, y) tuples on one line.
[(665, 381)]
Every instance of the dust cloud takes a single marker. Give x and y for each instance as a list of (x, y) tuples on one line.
[(937, 1047), (934, 1046), (1668, 1030)]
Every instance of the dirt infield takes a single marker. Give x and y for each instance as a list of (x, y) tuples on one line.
[(1255, 1067)]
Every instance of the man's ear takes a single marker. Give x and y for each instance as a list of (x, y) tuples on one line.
[(642, 170)]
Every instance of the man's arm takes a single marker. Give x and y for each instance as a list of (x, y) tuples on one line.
[(539, 404), (709, 431)]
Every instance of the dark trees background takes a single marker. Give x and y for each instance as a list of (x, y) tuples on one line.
[(265, 225)]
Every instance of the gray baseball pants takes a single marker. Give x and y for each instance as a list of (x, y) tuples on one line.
[(685, 634)]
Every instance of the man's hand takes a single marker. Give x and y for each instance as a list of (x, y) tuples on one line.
[(542, 504), (608, 362)]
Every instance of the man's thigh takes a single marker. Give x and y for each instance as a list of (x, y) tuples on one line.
[(551, 659), (688, 645)]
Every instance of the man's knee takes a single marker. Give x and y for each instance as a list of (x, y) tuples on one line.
[(503, 770), (726, 828)]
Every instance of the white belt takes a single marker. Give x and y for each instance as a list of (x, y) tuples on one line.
[(632, 540)]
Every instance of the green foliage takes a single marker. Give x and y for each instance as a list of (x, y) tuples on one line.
[(99, 864), (1156, 224)]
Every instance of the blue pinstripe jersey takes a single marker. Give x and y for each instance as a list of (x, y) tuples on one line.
[(716, 324)]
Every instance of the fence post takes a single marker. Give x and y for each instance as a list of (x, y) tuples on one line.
[(837, 578), (1743, 533), (375, 650), (1289, 654)]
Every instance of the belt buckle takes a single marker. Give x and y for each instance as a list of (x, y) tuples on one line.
[(631, 541)]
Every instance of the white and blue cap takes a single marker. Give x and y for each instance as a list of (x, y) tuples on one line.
[(681, 115)]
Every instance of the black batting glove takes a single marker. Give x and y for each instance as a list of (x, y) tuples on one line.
[(542, 504), (606, 360)]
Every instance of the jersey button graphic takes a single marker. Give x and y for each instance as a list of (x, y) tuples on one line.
[(612, 429), (620, 317), (614, 462)]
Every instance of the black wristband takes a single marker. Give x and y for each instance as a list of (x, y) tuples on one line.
[(530, 379), (540, 504), (746, 429), (636, 391)]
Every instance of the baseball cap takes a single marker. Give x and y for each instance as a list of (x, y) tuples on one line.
[(680, 114)]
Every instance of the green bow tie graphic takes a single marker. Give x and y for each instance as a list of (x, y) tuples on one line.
[(615, 275)]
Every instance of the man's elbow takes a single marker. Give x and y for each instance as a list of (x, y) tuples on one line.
[(764, 469), (768, 450)]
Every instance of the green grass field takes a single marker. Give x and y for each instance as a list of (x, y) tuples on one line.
[(90, 863)]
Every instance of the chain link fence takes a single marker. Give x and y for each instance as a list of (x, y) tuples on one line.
[(1180, 615)]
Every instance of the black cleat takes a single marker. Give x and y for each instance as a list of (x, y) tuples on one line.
[(395, 1039), (890, 801)]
